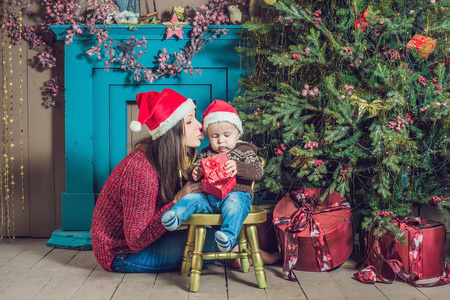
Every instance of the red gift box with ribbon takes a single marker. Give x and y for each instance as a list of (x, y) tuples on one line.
[(422, 254), (217, 181), (423, 44), (313, 236)]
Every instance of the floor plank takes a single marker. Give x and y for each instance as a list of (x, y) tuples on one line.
[(70, 278), (135, 286), (400, 290), (212, 282), (353, 289), (99, 285), (319, 285), (280, 288), (10, 248), (170, 286), (244, 285), (436, 292), (33, 280), (19, 264)]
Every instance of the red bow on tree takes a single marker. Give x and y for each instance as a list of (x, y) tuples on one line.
[(361, 21)]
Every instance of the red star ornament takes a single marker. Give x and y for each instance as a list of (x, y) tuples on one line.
[(174, 27)]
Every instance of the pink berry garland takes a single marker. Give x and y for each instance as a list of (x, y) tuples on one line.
[(125, 55)]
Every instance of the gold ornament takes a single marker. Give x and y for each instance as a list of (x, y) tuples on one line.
[(179, 11), (300, 161), (270, 2), (374, 107)]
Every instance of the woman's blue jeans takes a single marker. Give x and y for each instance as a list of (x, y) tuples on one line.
[(165, 254), (234, 208)]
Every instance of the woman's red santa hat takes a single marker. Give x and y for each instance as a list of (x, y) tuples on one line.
[(161, 111), (221, 111)]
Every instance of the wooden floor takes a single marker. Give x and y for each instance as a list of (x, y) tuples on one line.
[(31, 270)]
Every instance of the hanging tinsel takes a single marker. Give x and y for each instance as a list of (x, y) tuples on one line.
[(9, 103)]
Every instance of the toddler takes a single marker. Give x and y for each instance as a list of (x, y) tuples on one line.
[(222, 125)]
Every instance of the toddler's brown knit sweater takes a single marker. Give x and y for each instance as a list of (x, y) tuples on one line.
[(249, 167)]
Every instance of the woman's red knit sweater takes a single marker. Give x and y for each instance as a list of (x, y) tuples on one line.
[(127, 214)]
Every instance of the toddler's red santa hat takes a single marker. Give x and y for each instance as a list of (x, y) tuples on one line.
[(161, 111), (221, 111)]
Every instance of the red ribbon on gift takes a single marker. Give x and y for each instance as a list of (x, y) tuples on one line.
[(418, 43), (301, 220), (214, 171)]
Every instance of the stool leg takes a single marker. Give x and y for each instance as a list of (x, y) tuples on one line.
[(256, 256), (197, 258), (187, 261), (245, 264)]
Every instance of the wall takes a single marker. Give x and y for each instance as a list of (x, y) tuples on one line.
[(43, 136)]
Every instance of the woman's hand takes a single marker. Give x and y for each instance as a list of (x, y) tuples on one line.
[(231, 167), (188, 188)]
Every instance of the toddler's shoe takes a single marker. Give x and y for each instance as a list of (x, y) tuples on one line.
[(223, 241), (170, 220)]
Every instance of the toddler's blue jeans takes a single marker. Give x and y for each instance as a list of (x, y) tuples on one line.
[(235, 207)]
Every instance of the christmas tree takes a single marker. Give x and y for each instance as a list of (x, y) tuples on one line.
[(353, 96)]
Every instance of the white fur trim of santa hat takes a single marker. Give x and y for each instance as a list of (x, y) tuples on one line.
[(221, 111)]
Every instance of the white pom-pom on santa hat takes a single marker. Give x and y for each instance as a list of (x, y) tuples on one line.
[(135, 126)]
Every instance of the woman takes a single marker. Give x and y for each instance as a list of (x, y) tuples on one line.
[(127, 234)]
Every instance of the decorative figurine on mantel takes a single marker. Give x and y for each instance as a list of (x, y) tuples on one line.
[(150, 18), (129, 9), (180, 12), (174, 27), (238, 13), (128, 5)]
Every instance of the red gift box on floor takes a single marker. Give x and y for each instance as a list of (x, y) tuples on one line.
[(422, 254), (217, 181), (312, 236)]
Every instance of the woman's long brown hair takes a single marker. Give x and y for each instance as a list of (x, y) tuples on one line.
[(168, 156)]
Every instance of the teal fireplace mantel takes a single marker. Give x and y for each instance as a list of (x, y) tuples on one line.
[(96, 104)]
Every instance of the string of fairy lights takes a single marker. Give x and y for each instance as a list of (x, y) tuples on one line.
[(12, 97)]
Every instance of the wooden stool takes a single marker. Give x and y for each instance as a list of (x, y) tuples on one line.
[(193, 255)]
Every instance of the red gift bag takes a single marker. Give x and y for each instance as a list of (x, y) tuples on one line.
[(421, 257), (312, 236)]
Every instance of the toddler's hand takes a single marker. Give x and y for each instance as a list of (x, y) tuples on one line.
[(231, 167), (197, 173)]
